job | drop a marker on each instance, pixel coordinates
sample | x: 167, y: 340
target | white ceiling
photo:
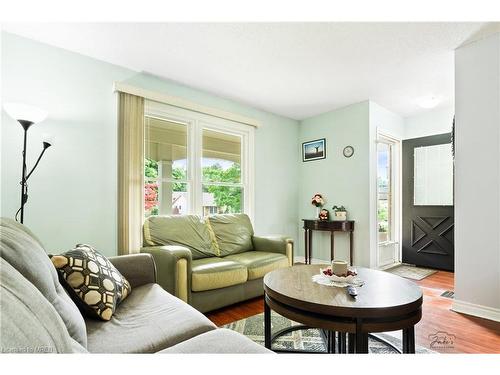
x: 293, y: 69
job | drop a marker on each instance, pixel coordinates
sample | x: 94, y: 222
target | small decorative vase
x: 318, y: 209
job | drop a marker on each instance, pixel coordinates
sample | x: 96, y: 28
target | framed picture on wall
x: 314, y: 150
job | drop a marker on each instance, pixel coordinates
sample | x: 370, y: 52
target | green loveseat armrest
x: 274, y: 244
x: 138, y: 269
x: 173, y: 264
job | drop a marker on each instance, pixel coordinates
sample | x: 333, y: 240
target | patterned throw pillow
x: 91, y: 280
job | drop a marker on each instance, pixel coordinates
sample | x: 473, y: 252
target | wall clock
x: 348, y: 151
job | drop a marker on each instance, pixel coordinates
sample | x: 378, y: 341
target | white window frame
x: 195, y: 123
x: 391, y: 197
x: 396, y: 204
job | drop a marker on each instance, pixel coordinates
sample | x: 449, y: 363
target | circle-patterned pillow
x: 91, y: 280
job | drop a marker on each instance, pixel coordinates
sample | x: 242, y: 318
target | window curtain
x: 130, y: 173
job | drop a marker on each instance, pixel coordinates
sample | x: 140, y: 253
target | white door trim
x: 385, y: 137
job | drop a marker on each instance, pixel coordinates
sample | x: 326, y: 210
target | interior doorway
x: 388, y: 201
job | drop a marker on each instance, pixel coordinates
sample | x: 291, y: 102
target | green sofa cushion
x: 258, y: 263
x: 189, y: 231
x: 215, y: 273
x: 233, y: 233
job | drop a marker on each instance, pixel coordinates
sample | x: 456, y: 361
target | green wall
x: 346, y: 181
x: 73, y: 195
x: 342, y: 181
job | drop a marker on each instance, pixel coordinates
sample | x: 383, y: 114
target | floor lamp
x: 27, y: 116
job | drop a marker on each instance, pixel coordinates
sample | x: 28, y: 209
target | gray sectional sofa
x: 37, y: 315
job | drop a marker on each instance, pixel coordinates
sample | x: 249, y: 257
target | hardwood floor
x: 472, y: 335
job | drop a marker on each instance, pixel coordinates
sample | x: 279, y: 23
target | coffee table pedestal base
x: 336, y: 342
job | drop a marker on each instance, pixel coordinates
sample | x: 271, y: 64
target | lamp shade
x: 24, y: 112
x: 48, y: 138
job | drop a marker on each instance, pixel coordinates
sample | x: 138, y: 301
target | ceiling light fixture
x: 428, y: 102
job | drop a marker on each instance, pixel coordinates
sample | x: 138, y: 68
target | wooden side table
x: 328, y: 226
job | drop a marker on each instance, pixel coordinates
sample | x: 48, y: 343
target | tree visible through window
x: 221, y: 172
x: 226, y: 198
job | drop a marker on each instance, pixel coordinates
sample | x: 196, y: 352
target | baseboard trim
x: 480, y: 311
x: 300, y: 259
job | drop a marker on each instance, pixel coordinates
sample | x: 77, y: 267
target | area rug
x: 411, y: 272
x: 305, y: 340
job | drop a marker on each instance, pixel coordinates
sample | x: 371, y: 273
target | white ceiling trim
x: 182, y: 103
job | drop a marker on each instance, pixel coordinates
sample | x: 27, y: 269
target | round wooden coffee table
x: 385, y: 302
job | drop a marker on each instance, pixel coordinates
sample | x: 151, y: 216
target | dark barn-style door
x: 428, y: 211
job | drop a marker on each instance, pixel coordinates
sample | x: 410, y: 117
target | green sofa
x: 215, y: 261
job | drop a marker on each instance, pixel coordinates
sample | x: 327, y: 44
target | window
x: 195, y: 163
x: 433, y: 175
x: 221, y: 172
x: 165, y: 167
x: 384, y: 192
